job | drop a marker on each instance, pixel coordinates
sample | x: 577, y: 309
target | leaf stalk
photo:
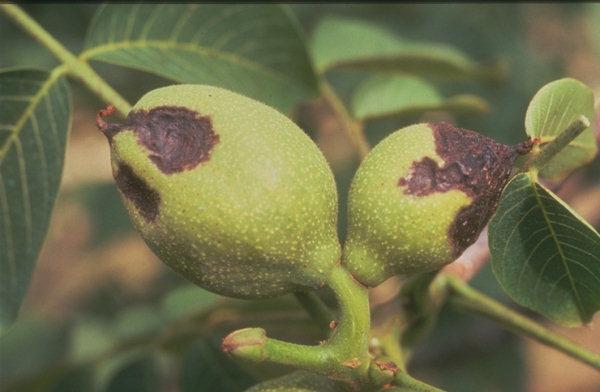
x: 75, y: 66
x: 344, y: 356
x: 561, y: 141
x: 467, y: 298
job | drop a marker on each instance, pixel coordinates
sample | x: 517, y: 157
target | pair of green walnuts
x: 237, y: 198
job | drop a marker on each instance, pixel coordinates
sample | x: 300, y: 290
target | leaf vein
x: 10, y: 249
x: 560, y: 250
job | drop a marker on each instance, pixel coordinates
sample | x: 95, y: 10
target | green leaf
x: 137, y: 322
x: 92, y: 338
x: 399, y: 96
x: 187, y: 300
x: 348, y: 43
x: 115, y: 373
x: 35, y: 114
x: 109, y: 218
x: 141, y: 374
x: 299, y: 381
x: 491, y: 361
x: 553, y: 108
x: 545, y: 256
x: 592, y: 22
x: 29, y: 347
x: 76, y: 379
x: 206, y: 368
x: 256, y: 50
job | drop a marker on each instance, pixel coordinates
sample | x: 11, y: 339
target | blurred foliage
x: 472, y: 28
x: 108, y: 215
x: 397, y: 96
x: 465, y: 353
x: 168, y: 335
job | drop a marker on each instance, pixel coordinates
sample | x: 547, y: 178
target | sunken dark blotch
x: 177, y: 138
x: 474, y: 164
x: 145, y: 199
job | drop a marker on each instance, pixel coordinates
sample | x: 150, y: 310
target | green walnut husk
x: 420, y: 198
x: 299, y: 381
x: 226, y: 191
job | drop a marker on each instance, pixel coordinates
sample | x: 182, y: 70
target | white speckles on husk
x: 391, y: 232
x: 258, y: 218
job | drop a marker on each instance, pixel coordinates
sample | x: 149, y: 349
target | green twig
x: 351, y: 336
x: 316, y: 308
x: 344, y: 356
x: 472, y: 300
x: 353, y: 128
x: 390, y: 343
x: 254, y: 345
x: 76, y: 67
x: 406, y: 383
x: 561, y: 141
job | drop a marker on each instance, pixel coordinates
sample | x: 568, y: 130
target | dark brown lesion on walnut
x: 177, y: 138
x: 145, y: 199
x: 472, y: 163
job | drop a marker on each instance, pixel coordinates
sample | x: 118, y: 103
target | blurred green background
x: 103, y: 313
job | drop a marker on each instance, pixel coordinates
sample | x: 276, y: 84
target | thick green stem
x: 254, y: 345
x: 350, y: 339
x: 406, y: 383
x: 353, y: 129
x: 344, y: 356
x: 317, y: 310
x: 557, y: 144
x: 76, y: 67
x: 472, y: 300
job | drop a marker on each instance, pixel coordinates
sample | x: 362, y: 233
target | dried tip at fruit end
x: 109, y: 129
x: 526, y: 146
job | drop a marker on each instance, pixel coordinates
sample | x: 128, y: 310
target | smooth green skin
x: 256, y: 220
x: 390, y: 232
x: 299, y: 381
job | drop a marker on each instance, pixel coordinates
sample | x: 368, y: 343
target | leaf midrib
x: 559, y: 248
x: 89, y: 54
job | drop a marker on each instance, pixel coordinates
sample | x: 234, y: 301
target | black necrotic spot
x: 474, y: 164
x: 145, y: 199
x: 178, y: 138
